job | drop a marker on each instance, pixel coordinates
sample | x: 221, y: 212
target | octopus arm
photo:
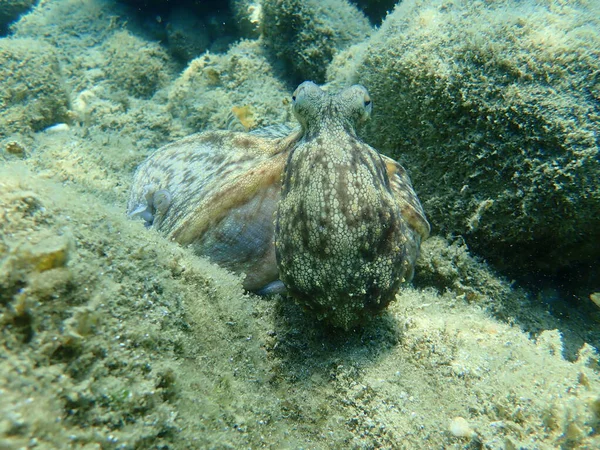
x: 409, y: 203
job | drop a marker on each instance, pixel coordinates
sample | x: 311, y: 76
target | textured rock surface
x: 187, y: 34
x: 496, y: 111
x: 236, y: 91
x: 305, y: 35
x: 248, y: 15
x: 33, y: 94
x: 136, y: 66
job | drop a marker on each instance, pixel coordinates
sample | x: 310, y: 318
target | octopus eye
x: 297, y: 94
x: 367, y: 105
x: 306, y: 92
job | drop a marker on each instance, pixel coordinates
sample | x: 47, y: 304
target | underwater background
x: 115, y: 338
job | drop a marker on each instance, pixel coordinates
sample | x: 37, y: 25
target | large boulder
x: 495, y: 109
x: 135, y: 65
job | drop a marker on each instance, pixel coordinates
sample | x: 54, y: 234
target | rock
x: 459, y: 427
x: 32, y: 90
x: 15, y: 148
x: 305, y: 35
x: 187, y: 34
x: 495, y: 110
x: 208, y: 90
x: 248, y: 15
x: 137, y: 66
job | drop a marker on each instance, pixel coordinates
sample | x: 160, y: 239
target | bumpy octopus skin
x: 341, y: 228
x: 348, y: 225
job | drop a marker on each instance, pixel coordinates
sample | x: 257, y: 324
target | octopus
x: 313, y: 210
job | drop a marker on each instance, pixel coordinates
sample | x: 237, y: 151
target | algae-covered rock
x: 73, y: 26
x: 305, y: 35
x: 187, y: 34
x: 138, y: 66
x: 67, y: 349
x: 32, y: 90
x: 448, y: 266
x: 495, y: 108
x: 247, y: 14
x: 237, y: 90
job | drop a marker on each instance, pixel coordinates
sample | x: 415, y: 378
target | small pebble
x: 459, y: 427
x: 58, y: 128
x: 15, y: 148
x: 50, y: 253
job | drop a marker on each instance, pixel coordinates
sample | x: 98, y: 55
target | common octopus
x: 337, y: 222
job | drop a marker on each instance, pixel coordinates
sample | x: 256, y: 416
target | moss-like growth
x: 305, y: 35
x: 138, y: 66
x: 495, y: 109
x: 32, y: 91
x: 233, y: 91
x: 448, y: 266
x: 65, y: 297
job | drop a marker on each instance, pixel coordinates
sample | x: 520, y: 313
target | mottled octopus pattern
x: 341, y: 228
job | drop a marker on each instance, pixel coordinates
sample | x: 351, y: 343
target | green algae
x: 495, y: 109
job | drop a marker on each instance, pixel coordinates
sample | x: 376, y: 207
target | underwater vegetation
x: 499, y: 119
